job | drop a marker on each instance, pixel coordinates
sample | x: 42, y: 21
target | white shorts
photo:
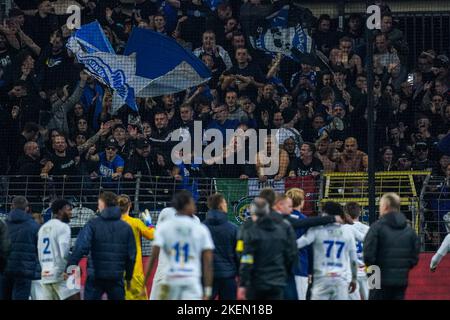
x: 301, y: 284
x: 362, y: 289
x: 51, y: 291
x: 156, y: 288
x: 190, y: 289
x: 330, y: 288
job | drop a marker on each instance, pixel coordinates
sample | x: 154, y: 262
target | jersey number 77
x: 329, y: 246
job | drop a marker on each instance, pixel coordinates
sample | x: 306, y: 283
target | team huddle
x: 278, y: 253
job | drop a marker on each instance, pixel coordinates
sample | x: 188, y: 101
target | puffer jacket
x: 269, y: 253
x: 22, y: 260
x: 111, y: 245
x: 4, y: 245
x: 224, y: 235
x: 394, y: 247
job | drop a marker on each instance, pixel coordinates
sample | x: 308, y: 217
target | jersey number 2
x: 46, y: 241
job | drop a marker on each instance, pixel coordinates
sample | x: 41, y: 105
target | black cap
x: 420, y: 145
x: 142, y: 143
x: 111, y: 143
x: 338, y: 104
x: 406, y: 155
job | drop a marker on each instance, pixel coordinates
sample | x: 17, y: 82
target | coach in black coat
x: 4, y: 245
x: 269, y: 253
x: 22, y: 265
x: 393, y: 246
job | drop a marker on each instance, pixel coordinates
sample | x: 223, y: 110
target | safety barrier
x: 435, y: 208
x: 347, y: 187
x: 423, y: 197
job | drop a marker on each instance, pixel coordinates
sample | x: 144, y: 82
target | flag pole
x: 370, y: 122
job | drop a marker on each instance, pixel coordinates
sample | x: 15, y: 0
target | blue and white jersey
x: 334, y: 249
x: 53, y: 250
x: 182, y: 241
x: 107, y: 168
x: 360, y: 230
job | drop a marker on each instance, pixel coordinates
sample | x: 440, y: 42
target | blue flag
x: 169, y: 67
x: 92, y: 48
x: 277, y: 33
x: 213, y: 4
x: 153, y: 64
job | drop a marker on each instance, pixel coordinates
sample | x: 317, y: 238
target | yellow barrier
x: 353, y: 187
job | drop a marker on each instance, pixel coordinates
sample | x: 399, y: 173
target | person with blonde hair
x: 139, y: 230
x: 301, y: 269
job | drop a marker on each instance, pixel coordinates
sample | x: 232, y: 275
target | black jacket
x: 138, y: 163
x: 394, y: 247
x: 224, y: 235
x: 27, y: 166
x: 161, y: 140
x: 23, y: 256
x: 111, y: 245
x: 269, y: 253
x: 5, y: 245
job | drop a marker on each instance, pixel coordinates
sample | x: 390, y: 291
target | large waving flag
x: 93, y: 49
x: 153, y: 64
x: 282, y: 32
x: 169, y: 67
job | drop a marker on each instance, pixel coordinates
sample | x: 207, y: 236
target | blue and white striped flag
x: 93, y: 49
x: 153, y: 64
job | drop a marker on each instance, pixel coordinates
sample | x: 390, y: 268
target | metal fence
x: 353, y: 187
x: 424, y: 31
x: 147, y: 193
x: 425, y: 198
x: 435, y: 209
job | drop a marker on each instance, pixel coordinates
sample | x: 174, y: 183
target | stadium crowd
x: 57, y: 120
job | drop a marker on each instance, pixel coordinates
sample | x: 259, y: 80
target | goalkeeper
x: 139, y: 230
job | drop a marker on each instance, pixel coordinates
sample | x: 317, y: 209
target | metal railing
x: 424, y: 31
x: 353, y: 187
x: 424, y: 209
x: 435, y: 205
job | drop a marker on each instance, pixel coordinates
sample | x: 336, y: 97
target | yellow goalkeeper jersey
x: 139, y: 230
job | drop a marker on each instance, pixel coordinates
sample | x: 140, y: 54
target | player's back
x: 360, y: 230
x: 182, y: 240
x: 334, y: 246
x: 165, y: 215
x: 53, y: 250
